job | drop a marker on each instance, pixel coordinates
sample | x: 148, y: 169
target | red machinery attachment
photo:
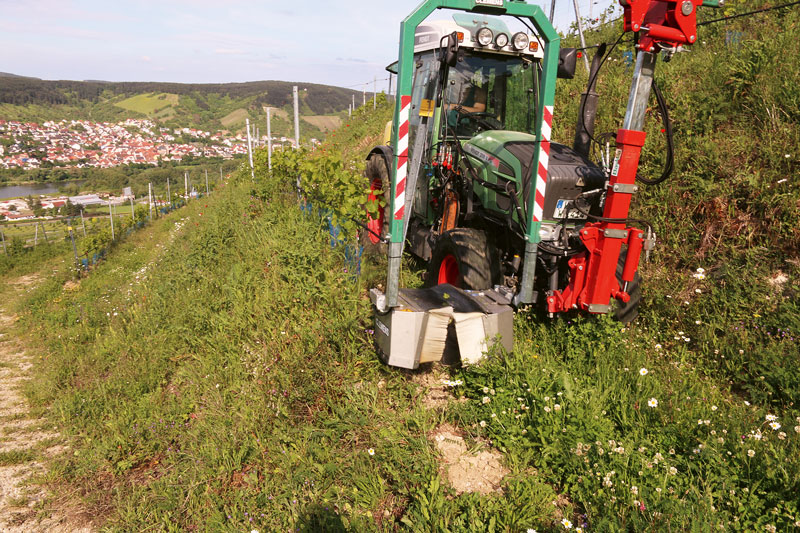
x: 664, y: 23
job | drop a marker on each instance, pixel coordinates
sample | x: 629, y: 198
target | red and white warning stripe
x: 544, y: 159
x: 402, y: 158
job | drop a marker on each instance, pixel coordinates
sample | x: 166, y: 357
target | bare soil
x: 468, y: 471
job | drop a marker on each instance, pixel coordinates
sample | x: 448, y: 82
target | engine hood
x: 490, y: 146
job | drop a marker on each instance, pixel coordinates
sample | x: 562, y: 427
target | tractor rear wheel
x: 377, y: 179
x: 464, y: 258
x: 627, y: 312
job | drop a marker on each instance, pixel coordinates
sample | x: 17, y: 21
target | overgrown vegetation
x: 218, y: 373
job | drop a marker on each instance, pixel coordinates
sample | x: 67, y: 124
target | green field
x: 149, y: 104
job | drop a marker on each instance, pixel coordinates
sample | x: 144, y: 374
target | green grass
x: 16, y: 457
x: 148, y: 104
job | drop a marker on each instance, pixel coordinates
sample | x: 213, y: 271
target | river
x: 34, y: 189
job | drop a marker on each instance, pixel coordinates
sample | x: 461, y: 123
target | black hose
x: 669, y: 164
x: 592, y: 81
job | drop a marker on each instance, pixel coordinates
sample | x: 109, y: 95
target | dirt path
x: 24, y: 441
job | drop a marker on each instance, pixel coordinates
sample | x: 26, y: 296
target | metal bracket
x: 624, y: 188
x: 615, y: 234
x: 599, y: 308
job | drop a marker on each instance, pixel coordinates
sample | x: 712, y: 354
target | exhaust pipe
x: 584, y: 130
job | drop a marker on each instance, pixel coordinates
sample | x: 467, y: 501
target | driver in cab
x: 472, y: 100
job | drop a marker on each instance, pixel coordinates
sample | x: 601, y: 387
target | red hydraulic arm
x: 660, y: 25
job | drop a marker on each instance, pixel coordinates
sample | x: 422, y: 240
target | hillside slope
x: 220, y: 375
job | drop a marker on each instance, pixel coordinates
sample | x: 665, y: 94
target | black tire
x: 376, y: 172
x: 627, y: 313
x: 475, y: 258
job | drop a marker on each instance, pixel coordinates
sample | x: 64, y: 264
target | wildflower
x: 486, y: 390
x: 486, y: 400
x: 658, y: 346
x: 771, y: 418
x: 652, y: 402
x: 566, y: 523
x: 713, y: 407
x: 673, y: 470
x: 483, y: 423
x: 546, y: 409
x: 782, y: 435
x: 797, y: 429
x: 775, y: 426
x: 371, y: 451
x: 556, y: 408
x: 547, y: 398
x: 698, y: 291
x: 643, y: 371
x: 747, y: 403
x: 531, y: 530
x: 697, y: 322
x: 578, y: 530
x: 751, y: 453
x: 254, y: 531
x: 634, y: 490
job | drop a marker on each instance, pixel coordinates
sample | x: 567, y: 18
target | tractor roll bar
x: 400, y: 126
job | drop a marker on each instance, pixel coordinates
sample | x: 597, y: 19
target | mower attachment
x: 442, y: 323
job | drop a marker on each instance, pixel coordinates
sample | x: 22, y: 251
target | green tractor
x: 471, y: 183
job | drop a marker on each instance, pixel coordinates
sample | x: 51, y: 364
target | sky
x: 345, y: 43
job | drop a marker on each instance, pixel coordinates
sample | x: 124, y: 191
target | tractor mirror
x: 567, y: 59
x: 451, y: 50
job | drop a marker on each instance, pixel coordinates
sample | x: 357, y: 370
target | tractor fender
x: 386, y: 152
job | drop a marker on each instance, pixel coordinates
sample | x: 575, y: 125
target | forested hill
x: 207, y: 106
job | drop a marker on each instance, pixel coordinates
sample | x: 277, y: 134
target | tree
x: 71, y: 209
x: 36, y: 206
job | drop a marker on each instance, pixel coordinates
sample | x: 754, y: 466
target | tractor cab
x: 473, y: 74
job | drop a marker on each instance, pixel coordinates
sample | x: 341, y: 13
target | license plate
x: 498, y: 3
